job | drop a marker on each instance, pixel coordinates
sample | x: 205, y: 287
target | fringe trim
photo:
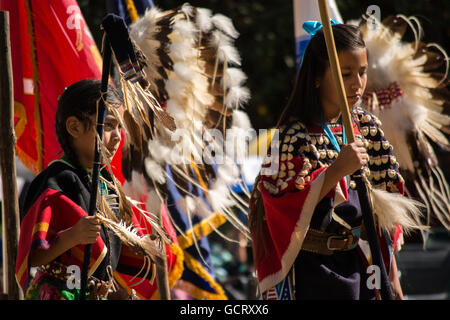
x: 436, y: 197
x: 27, y: 160
x: 199, y: 176
x: 201, y: 229
x: 131, y: 8
x: 19, y: 111
x: 178, y: 268
x: 197, y: 292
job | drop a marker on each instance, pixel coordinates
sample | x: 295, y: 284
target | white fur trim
x: 185, y: 29
x: 183, y: 71
x: 182, y: 51
x: 159, y: 152
x: 393, y: 209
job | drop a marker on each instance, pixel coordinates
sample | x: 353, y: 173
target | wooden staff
x: 10, y: 203
x: 119, y: 40
x: 101, y: 114
x: 123, y: 50
x: 162, y: 275
x: 386, y: 290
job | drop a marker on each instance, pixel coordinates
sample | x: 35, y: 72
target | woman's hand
x: 351, y: 158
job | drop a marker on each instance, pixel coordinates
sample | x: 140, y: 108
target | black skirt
x: 341, y: 276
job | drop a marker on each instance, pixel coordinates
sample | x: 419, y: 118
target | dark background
x: 266, y: 41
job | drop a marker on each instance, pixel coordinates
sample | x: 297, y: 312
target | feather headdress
x: 192, y: 67
x: 407, y: 90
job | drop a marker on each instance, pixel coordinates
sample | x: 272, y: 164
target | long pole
x: 386, y: 290
x: 162, y: 275
x: 101, y: 113
x: 123, y: 50
x: 10, y: 203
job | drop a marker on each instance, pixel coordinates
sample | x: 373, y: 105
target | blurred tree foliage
x: 266, y: 41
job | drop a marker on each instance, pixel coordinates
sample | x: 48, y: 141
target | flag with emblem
x: 51, y: 47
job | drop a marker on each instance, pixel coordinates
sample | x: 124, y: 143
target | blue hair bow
x: 313, y: 26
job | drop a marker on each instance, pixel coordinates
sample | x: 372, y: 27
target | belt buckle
x: 329, y: 242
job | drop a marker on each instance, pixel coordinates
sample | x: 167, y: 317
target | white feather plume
x: 203, y: 19
x: 233, y: 77
x: 155, y: 171
x: 393, y: 209
x: 225, y: 24
x: 201, y: 49
x: 416, y: 113
x: 241, y: 120
x: 236, y: 97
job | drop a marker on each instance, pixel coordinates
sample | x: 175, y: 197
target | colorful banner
x: 306, y: 10
x: 197, y: 277
x: 51, y: 48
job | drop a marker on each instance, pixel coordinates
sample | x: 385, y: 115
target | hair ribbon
x: 313, y: 26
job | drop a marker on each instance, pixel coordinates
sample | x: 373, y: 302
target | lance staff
x: 367, y: 214
x: 101, y: 114
x: 117, y: 41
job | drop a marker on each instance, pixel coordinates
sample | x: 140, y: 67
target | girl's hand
x: 351, y: 158
x: 85, y: 231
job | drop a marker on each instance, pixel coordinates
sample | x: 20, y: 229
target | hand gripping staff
x: 386, y: 291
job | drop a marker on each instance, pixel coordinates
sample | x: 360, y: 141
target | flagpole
x: 386, y: 290
x: 10, y: 203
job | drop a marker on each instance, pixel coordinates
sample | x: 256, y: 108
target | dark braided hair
x: 80, y: 100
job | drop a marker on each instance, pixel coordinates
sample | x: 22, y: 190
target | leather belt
x: 325, y: 243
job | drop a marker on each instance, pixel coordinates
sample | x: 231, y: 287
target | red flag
x: 51, y: 48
